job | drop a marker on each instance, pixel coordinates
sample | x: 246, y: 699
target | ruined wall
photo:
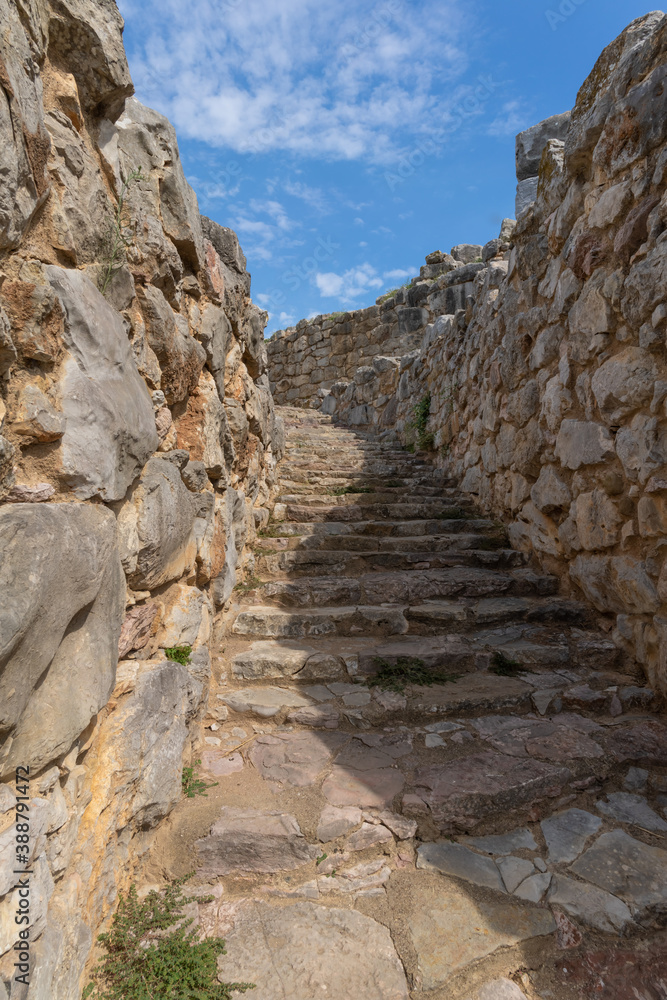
x: 306, y: 360
x: 548, y: 389
x: 138, y: 443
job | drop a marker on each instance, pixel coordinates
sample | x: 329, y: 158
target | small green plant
x: 151, y: 954
x: 392, y: 291
x: 335, y: 315
x: 503, y: 666
x: 179, y: 654
x: 322, y: 857
x: 341, y: 491
x: 119, y: 235
x: 392, y: 484
x: 407, y: 670
x: 192, y: 784
x: 421, y: 413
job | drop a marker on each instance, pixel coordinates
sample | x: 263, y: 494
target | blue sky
x: 344, y: 141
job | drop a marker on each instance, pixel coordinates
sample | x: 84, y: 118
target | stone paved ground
x: 495, y: 837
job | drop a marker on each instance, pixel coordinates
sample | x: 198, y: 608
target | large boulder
x: 63, y: 600
x: 109, y: 424
x: 24, y: 142
x: 158, y: 539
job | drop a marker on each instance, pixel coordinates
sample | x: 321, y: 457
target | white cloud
x: 349, y: 285
x: 512, y: 119
x: 398, y: 273
x: 266, y: 75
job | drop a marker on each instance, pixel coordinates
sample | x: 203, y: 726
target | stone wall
x: 138, y: 443
x: 548, y: 386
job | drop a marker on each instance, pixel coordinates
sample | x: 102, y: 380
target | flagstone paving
x: 499, y: 834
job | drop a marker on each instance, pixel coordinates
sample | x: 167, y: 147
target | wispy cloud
x: 513, y: 118
x: 349, y: 285
x: 351, y: 80
x: 399, y: 273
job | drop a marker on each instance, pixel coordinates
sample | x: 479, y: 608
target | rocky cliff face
x: 138, y: 443
x: 544, y: 374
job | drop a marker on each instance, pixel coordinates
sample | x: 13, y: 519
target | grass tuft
x: 179, y: 654
x: 407, y: 670
x: 341, y: 491
x: 503, y: 666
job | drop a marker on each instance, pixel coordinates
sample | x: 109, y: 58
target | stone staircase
x: 447, y: 782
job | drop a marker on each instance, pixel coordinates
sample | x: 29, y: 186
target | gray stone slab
x: 566, y: 834
x: 629, y: 869
x: 454, y: 931
x: 633, y: 809
x: 252, y: 840
x: 591, y: 905
x: 534, y: 887
x: 264, y: 701
x: 454, y: 859
x: 636, y: 779
x: 442, y: 727
x: 514, y: 871
x: 304, y: 950
x: 504, y: 843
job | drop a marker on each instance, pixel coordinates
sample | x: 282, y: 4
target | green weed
x: 503, y: 666
x: 421, y: 413
x: 192, y: 784
x: 151, y: 954
x: 407, y: 670
x: 341, y: 491
x: 179, y: 654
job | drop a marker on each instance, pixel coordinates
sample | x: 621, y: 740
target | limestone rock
x: 592, y: 906
x: 180, y: 356
x: 294, y: 758
x: 336, y: 822
x: 583, y: 443
x: 249, y: 840
x: 64, y: 637
x: 109, y: 424
x: 466, y: 790
x: 454, y: 859
x: 341, y: 952
x: 456, y: 931
x: 629, y: 869
x: 23, y: 138
x: 566, y: 833
x: 157, y: 527
x: 264, y: 701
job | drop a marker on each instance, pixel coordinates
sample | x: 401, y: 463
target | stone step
x: 382, y: 529
x: 540, y: 650
x: 410, y: 587
x: 444, y: 542
x: 379, y: 512
x: 356, y: 487
x: 432, y: 618
x: 324, y: 498
x: 306, y: 561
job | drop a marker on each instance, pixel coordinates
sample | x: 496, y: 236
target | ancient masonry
x: 418, y: 608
